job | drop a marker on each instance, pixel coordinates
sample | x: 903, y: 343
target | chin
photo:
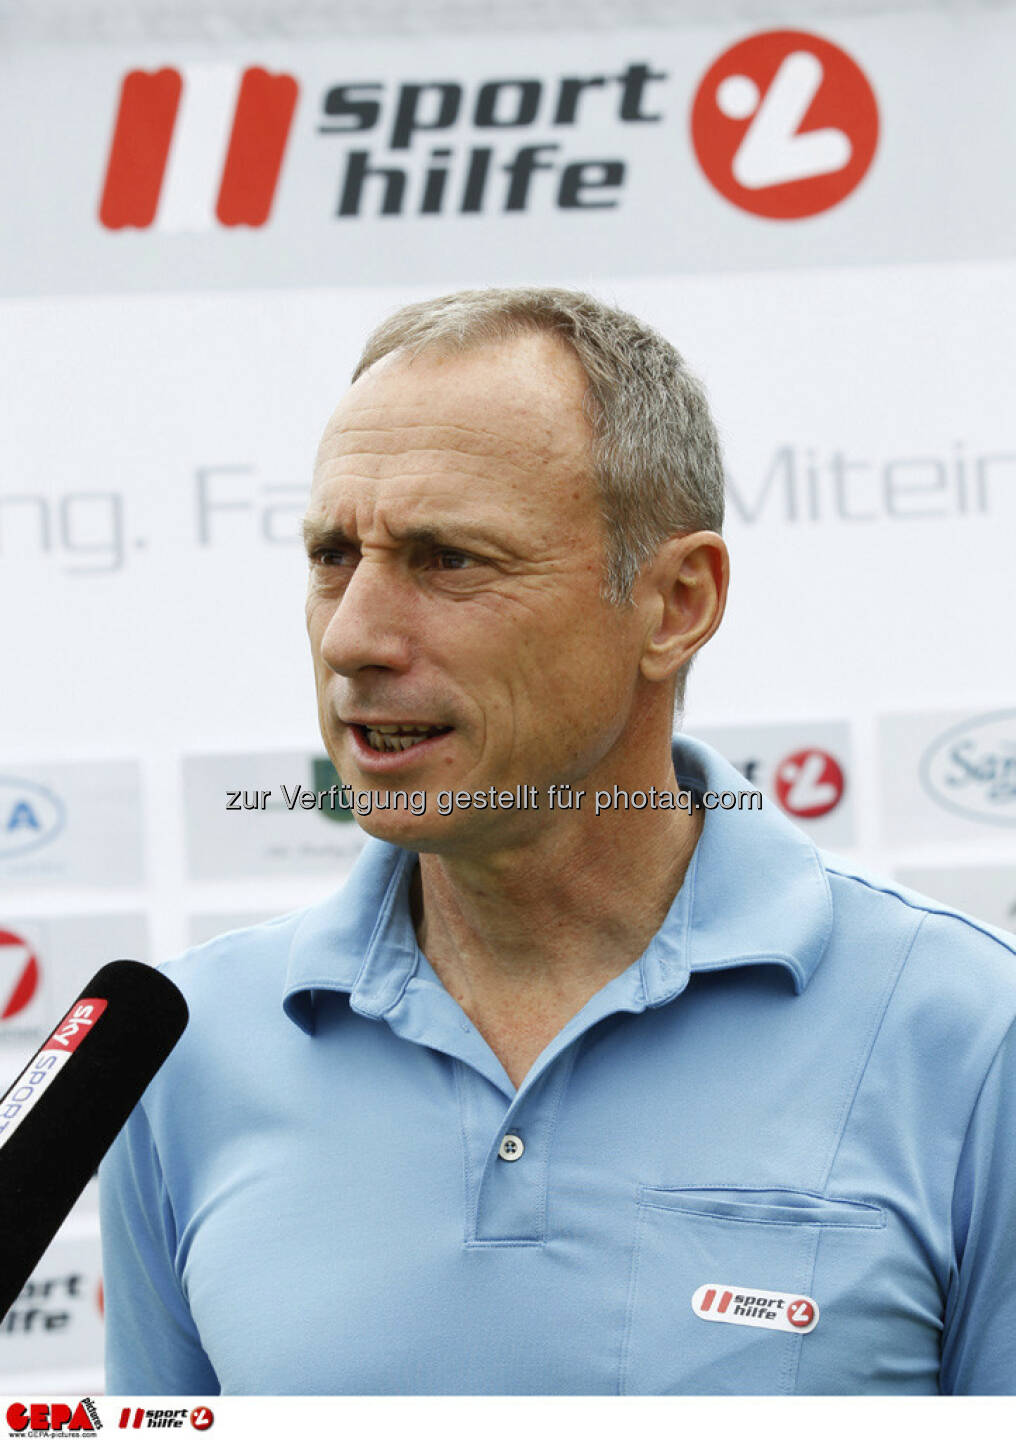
x: 411, y: 832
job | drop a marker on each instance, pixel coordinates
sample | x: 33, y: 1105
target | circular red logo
x: 784, y: 124
x: 800, y: 1313
x: 202, y: 1418
x: 19, y: 974
x: 809, y: 783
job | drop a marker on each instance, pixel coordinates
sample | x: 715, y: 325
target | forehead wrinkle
x: 534, y: 440
x: 433, y: 466
x: 516, y: 526
x: 540, y: 511
x: 403, y: 520
x: 497, y: 436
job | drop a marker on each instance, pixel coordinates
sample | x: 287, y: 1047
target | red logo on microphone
x: 785, y: 124
x: 198, y: 142
x: 75, y: 1025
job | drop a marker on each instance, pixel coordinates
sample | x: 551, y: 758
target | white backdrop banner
x: 199, y: 238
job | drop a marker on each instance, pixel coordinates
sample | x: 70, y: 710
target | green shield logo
x: 323, y: 777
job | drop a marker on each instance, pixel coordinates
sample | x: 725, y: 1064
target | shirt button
x: 511, y: 1148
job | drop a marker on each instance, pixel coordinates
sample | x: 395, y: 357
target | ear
x: 685, y: 592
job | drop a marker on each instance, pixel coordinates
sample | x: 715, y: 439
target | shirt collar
x: 755, y: 893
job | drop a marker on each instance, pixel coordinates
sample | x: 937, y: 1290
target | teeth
x: 403, y: 729
x: 398, y: 737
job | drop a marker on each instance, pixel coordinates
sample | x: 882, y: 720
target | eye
x: 329, y: 556
x: 453, y: 559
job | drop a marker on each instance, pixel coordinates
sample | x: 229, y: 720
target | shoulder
x: 944, y: 929
x: 233, y: 986
x: 237, y: 1043
x: 267, y: 975
x: 246, y: 959
x: 950, y: 964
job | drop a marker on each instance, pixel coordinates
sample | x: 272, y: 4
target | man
x: 545, y: 1100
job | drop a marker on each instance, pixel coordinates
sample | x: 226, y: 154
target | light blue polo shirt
x: 798, y: 1106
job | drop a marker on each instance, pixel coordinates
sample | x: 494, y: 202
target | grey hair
x: 656, y: 455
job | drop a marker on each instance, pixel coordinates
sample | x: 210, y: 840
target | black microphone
x: 67, y: 1106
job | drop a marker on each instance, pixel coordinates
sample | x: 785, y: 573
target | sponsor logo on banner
x: 19, y: 975
x: 72, y: 823
x: 766, y: 1310
x: 785, y: 124
x: 971, y: 768
x: 45, y: 958
x: 949, y: 775
x: 31, y: 815
x: 805, y: 768
x: 42, y: 1417
x: 269, y: 813
x: 809, y: 783
x: 201, y: 141
x: 56, y: 1319
x: 194, y: 144
x: 202, y: 1418
x: 323, y: 776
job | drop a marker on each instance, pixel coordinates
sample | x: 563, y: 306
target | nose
x: 370, y: 625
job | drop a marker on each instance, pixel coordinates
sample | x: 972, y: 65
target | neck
x: 550, y: 921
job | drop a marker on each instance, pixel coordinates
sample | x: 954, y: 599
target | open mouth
x: 387, y: 739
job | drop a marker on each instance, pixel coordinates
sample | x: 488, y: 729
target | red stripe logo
x: 19, y: 974
x: 140, y: 149
x: 264, y: 112
x: 195, y: 143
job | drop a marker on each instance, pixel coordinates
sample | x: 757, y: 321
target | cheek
x: 318, y: 610
x: 597, y: 676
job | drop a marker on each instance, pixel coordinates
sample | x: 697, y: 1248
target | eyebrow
x: 322, y: 533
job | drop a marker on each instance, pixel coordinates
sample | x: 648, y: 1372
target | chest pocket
x: 755, y: 1243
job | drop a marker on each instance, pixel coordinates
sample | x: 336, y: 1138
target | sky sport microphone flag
x: 69, y: 1103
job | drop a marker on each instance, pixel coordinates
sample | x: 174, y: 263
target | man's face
x: 456, y: 559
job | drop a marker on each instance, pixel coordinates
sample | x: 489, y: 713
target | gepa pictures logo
x: 42, y: 1418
